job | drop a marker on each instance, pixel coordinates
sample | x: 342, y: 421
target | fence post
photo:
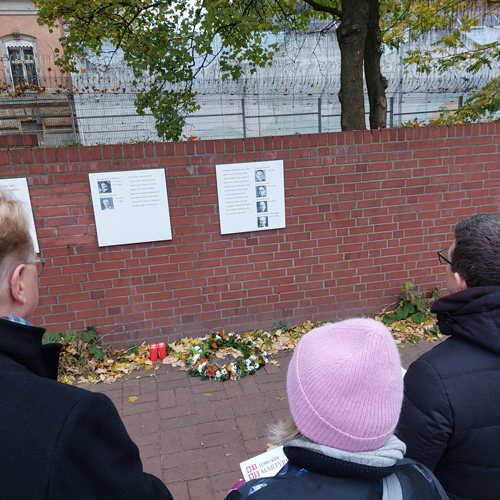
x: 243, y: 117
x: 391, y: 112
x: 72, y: 117
x: 319, y: 115
x: 460, y: 101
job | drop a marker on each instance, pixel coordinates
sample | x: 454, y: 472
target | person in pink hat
x: 345, y: 390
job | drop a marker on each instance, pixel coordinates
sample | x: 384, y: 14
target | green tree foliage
x: 409, y: 19
x: 173, y: 41
x: 170, y: 41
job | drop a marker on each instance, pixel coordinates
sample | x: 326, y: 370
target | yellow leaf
x: 207, y: 394
x: 148, y: 367
x: 281, y: 399
x: 131, y: 399
x: 138, y: 376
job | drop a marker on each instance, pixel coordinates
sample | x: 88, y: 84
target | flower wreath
x: 200, y: 360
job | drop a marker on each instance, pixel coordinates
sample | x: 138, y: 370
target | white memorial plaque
x: 130, y: 207
x: 251, y: 196
x: 18, y: 188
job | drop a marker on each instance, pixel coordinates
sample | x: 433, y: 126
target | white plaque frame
x: 251, y: 196
x: 130, y: 206
x: 18, y: 189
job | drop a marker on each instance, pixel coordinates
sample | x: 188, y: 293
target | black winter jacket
x: 309, y: 474
x: 58, y: 441
x: 451, y: 411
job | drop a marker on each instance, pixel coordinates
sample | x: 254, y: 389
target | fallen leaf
x: 207, y: 394
x: 131, y: 399
x: 281, y: 399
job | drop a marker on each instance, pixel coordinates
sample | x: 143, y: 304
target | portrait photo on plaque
x: 261, y: 206
x: 107, y: 204
x: 260, y: 175
x: 261, y: 191
x: 104, y: 187
x: 262, y: 221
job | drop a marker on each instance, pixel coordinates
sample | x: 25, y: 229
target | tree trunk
x: 351, y: 35
x: 375, y: 81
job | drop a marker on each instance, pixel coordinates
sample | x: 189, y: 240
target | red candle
x: 162, y: 350
x: 153, y: 352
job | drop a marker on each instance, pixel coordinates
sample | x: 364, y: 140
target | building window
x: 21, y: 60
x: 22, y: 65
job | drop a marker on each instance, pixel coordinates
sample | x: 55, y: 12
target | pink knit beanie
x: 345, y: 386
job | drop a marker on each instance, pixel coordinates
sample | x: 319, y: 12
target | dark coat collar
x: 473, y: 314
x: 23, y: 344
x: 334, y: 467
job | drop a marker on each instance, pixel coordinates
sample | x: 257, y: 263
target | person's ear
x: 459, y: 282
x: 17, y: 284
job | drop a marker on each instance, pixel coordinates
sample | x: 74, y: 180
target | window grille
x: 22, y: 65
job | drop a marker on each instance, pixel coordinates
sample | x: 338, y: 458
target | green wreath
x: 200, y: 361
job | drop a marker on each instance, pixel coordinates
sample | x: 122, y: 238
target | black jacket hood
x: 473, y: 314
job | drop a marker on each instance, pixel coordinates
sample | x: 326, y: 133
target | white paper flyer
x: 265, y: 465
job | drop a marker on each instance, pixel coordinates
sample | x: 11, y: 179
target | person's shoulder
x: 455, y: 357
x: 26, y: 386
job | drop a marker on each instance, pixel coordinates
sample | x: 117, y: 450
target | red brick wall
x: 365, y: 211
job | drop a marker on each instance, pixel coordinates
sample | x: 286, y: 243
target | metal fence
x: 107, y: 120
x: 298, y: 94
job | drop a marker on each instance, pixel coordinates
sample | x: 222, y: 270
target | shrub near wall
x: 365, y: 211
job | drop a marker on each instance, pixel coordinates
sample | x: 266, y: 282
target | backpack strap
x: 426, y: 471
x: 391, y: 488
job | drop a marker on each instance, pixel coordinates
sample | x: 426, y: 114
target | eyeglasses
x: 442, y: 258
x: 39, y: 263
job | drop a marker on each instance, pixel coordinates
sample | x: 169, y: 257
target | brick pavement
x: 193, y: 433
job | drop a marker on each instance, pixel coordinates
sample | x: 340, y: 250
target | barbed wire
x: 306, y: 64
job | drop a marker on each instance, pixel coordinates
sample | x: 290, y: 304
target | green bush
x: 410, y: 304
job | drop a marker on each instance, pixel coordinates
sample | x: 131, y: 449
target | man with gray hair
x: 450, y: 419
x: 56, y: 441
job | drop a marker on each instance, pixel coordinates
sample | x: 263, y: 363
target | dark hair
x: 476, y: 256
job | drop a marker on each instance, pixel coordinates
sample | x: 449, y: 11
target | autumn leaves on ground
x: 224, y: 355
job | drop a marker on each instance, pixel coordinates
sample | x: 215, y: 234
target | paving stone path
x: 194, y: 433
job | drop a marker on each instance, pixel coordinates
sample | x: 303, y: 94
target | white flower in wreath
x: 202, y: 367
x: 251, y: 367
x: 195, y: 359
x: 221, y: 374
